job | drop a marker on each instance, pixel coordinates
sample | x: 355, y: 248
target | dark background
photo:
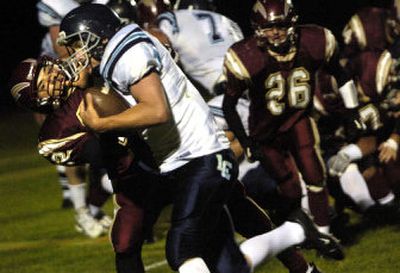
x: 21, y: 34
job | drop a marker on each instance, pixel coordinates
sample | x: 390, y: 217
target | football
x: 106, y: 101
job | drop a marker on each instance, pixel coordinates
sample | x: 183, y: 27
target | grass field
x: 37, y: 236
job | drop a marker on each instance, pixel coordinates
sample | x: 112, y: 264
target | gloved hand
x: 338, y: 164
x: 253, y: 152
x: 354, y: 126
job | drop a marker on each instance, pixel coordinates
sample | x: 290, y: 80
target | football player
x: 50, y: 14
x: 375, y: 73
x: 39, y: 86
x: 178, y: 127
x: 328, y: 109
x: 63, y: 139
x: 190, y: 152
x: 259, y: 186
x: 278, y: 65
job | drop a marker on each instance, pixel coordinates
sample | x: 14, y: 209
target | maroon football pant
x: 302, y: 143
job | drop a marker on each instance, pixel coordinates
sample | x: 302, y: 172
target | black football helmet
x: 195, y: 4
x: 268, y: 14
x: 86, y: 29
x: 126, y: 10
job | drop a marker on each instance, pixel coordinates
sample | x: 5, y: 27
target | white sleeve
x: 215, y: 105
x: 47, y: 15
x: 134, y: 64
x: 234, y: 30
x: 168, y: 24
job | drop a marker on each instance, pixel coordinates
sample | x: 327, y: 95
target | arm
x: 50, y: 14
x: 338, y: 163
x: 235, y: 145
x: 60, y: 50
x: 388, y: 149
x: 232, y: 118
x: 152, y: 108
x: 251, y: 149
x: 347, y: 89
x: 346, y: 85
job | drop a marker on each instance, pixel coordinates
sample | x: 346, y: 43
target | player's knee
x: 125, y: 247
x: 127, y: 229
x: 126, y: 240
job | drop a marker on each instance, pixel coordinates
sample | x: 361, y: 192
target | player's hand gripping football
x: 90, y: 117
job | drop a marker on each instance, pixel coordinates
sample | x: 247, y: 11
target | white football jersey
x: 50, y: 13
x: 201, y: 38
x: 242, y: 107
x: 192, y: 132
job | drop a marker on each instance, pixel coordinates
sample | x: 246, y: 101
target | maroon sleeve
x: 63, y: 138
x: 235, y: 73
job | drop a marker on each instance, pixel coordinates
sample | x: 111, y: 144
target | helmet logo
x: 258, y: 7
x: 61, y: 38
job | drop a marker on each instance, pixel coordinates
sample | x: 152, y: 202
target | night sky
x: 21, y: 33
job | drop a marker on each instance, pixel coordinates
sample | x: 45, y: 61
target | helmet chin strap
x: 282, y: 48
x: 278, y: 48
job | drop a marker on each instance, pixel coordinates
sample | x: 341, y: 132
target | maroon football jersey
x: 371, y: 72
x: 327, y: 100
x: 371, y: 28
x: 64, y: 140
x: 281, y: 88
x: 62, y: 136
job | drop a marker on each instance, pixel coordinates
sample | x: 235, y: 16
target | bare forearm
x: 139, y: 116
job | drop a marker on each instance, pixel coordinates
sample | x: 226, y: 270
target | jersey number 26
x: 295, y: 86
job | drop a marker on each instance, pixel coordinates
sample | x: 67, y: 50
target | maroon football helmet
x: 274, y: 14
x: 33, y: 91
x: 148, y: 10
